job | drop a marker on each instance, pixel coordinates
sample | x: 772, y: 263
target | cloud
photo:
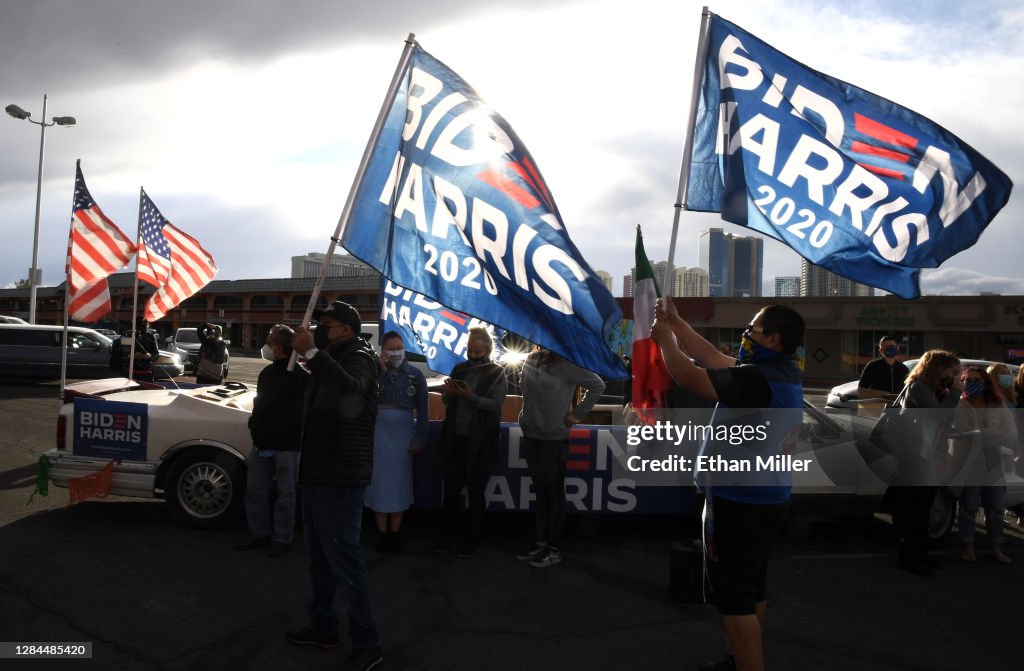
x: 961, y: 282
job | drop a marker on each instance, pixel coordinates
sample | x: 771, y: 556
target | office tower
x: 817, y: 281
x: 787, y: 285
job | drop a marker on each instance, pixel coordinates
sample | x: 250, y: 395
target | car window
x: 187, y: 336
x: 80, y: 341
x: 28, y: 338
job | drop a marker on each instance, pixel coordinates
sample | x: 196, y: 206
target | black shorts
x: 744, y: 534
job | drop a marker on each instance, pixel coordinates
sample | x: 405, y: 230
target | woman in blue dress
x: 400, y: 433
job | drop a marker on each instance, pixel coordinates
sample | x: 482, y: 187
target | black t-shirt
x: 741, y: 386
x: 880, y: 376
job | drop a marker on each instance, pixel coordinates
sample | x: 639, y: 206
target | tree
x: 21, y: 284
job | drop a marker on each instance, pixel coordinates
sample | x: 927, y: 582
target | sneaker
x: 534, y: 552
x: 395, y: 544
x: 727, y: 663
x: 467, y: 549
x: 364, y: 659
x: 548, y: 557
x: 252, y: 542
x: 306, y: 636
x: 382, y: 543
x: 278, y: 548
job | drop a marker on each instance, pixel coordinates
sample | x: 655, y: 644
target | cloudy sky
x: 245, y: 119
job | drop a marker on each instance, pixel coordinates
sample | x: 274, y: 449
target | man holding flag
x: 743, y: 511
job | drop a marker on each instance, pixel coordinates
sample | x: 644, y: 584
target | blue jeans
x: 283, y: 468
x: 991, y: 497
x: 332, y: 516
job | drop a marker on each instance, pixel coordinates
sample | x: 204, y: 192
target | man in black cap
x: 334, y: 469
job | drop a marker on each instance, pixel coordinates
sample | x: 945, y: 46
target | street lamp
x: 34, y: 273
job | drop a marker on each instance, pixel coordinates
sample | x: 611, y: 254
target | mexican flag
x: 650, y: 377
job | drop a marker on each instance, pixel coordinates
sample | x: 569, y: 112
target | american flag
x: 96, y: 248
x: 170, y: 260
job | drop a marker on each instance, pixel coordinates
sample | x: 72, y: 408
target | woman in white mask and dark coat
x: 400, y: 433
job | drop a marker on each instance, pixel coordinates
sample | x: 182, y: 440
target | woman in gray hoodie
x: 548, y: 386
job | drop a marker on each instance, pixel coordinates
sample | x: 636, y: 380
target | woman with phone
x: 470, y: 445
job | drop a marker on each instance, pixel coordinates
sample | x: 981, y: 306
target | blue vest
x: 753, y: 438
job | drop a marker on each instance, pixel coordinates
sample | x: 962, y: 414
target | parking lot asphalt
x: 151, y: 595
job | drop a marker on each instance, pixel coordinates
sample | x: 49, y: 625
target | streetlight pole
x: 34, y: 273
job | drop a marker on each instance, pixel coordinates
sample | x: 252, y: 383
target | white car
x: 843, y: 398
x: 187, y: 446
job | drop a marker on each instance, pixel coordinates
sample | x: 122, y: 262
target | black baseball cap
x: 343, y: 313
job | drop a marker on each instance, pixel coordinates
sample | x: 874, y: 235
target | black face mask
x: 476, y: 361
x: 322, y: 337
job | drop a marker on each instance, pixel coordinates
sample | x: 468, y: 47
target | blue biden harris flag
x: 452, y: 206
x: 851, y: 181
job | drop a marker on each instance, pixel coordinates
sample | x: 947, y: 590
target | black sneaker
x: 533, y: 553
x: 728, y: 663
x: 382, y: 543
x: 278, y: 548
x: 467, y: 549
x: 548, y: 557
x: 306, y: 636
x: 252, y: 542
x: 364, y: 659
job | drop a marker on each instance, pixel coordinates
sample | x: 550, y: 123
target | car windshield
x: 187, y: 336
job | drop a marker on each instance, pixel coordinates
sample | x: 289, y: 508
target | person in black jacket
x: 276, y: 428
x: 470, y: 446
x: 335, y: 466
x: 882, y: 378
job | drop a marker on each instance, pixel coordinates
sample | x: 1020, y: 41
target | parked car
x: 191, y: 448
x: 843, y: 398
x: 34, y: 351
x: 4, y: 319
x: 186, y: 343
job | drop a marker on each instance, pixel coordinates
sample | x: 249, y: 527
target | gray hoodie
x: 548, y: 390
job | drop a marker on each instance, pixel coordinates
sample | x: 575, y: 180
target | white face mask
x: 267, y: 352
x: 393, y: 357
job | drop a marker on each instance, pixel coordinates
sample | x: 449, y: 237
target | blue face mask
x: 974, y: 389
x: 1005, y: 380
x: 751, y: 352
x: 890, y: 351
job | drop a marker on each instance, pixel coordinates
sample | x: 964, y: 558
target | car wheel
x: 941, y: 516
x: 206, y: 489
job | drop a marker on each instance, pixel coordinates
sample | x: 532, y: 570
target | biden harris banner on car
x: 452, y: 206
x: 430, y: 329
x: 851, y: 181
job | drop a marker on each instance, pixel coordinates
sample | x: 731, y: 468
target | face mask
x: 890, y: 351
x: 974, y: 389
x: 322, y: 337
x: 751, y: 352
x: 1005, y: 380
x: 393, y: 357
x: 267, y: 352
x: 476, y: 361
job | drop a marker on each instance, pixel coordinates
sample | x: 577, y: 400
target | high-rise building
x: 714, y: 258
x: 734, y: 263
x: 341, y: 265
x: 627, y: 286
x: 817, y: 281
x: 787, y: 285
x: 690, y: 282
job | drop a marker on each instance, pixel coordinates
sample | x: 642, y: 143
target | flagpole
x: 357, y: 182
x: 684, y: 170
x: 135, y: 291
x: 67, y: 294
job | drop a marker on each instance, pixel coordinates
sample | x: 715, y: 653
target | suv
x: 34, y: 351
x: 186, y: 343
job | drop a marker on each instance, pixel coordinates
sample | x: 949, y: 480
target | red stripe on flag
x: 880, y: 131
x: 458, y: 319
x: 884, y: 172
x: 571, y: 465
x: 538, y: 183
x: 862, y: 148
x: 509, y: 188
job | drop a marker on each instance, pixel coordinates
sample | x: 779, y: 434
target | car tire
x: 206, y: 489
x: 941, y: 516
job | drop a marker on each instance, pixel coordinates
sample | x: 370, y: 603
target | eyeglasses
x: 755, y: 328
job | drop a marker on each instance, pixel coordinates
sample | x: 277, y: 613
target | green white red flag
x: 651, y: 380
